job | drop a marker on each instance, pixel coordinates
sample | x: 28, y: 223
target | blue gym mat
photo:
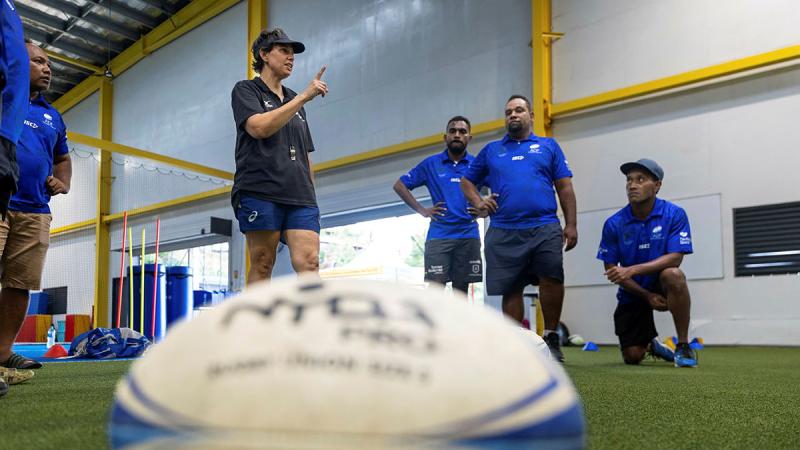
x: 37, y: 351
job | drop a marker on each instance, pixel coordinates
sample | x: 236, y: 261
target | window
x: 392, y: 248
x: 766, y: 239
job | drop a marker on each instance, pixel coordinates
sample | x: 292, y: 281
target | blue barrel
x: 180, y: 299
x: 202, y: 298
x: 161, y: 289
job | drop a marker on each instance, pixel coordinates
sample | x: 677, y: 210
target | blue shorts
x: 255, y: 214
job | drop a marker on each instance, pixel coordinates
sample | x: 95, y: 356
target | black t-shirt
x: 275, y: 168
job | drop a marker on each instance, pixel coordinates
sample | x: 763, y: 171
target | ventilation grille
x: 766, y: 239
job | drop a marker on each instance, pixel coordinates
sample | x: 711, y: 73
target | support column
x: 541, y: 36
x: 102, y: 309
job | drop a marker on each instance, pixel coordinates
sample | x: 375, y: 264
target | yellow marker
x: 141, y: 288
x: 130, y: 276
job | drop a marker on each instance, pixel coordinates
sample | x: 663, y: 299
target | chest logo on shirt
x: 48, y: 120
x: 517, y: 158
x: 535, y: 149
x: 268, y: 104
x: 30, y: 124
x: 455, y: 180
x: 657, y: 232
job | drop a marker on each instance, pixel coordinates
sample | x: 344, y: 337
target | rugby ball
x: 346, y: 364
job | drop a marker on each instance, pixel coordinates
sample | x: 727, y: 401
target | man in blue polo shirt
x: 453, y: 246
x: 45, y: 169
x: 642, y: 249
x: 525, y: 239
x: 14, y: 81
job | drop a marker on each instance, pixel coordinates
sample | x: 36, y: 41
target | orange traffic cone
x: 56, y: 351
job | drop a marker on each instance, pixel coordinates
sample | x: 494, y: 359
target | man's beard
x: 456, y: 148
x: 514, y: 127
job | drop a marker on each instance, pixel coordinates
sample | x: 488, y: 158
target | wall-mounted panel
x: 398, y: 70
x: 177, y: 100
x: 617, y: 43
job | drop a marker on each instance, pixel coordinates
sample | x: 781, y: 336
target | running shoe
x: 685, y: 356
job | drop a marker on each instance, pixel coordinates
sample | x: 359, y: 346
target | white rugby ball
x: 346, y: 364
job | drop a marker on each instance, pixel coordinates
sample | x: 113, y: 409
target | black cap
x: 282, y: 38
x: 646, y: 164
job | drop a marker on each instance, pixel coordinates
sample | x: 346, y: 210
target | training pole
x: 141, y: 288
x: 130, y: 278
x: 155, y: 279
x: 121, y: 269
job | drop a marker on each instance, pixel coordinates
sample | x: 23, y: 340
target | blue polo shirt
x: 15, y: 68
x: 442, y: 177
x: 628, y: 241
x: 522, y: 173
x: 43, y: 135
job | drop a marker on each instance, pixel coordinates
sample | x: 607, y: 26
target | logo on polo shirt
x: 685, y: 239
x: 644, y: 246
x: 517, y: 158
x: 455, y: 180
x: 535, y: 149
x: 30, y: 124
x: 657, y: 233
x: 268, y: 104
x: 48, y: 120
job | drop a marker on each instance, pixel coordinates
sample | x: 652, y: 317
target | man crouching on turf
x: 642, y: 249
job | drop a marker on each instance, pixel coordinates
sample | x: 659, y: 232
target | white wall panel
x: 80, y: 203
x: 177, y: 100
x: 399, y: 69
x: 738, y: 139
x: 611, y: 44
x: 70, y: 263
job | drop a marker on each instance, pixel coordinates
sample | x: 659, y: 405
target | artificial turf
x: 739, y: 397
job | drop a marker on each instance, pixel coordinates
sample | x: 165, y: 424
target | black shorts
x: 633, y: 323
x: 516, y: 258
x: 456, y: 260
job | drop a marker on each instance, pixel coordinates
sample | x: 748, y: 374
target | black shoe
x: 553, y: 341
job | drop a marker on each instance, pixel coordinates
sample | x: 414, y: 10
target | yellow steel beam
x: 427, y: 141
x: 139, y: 153
x: 189, y: 17
x: 180, y: 201
x: 676, y: 81
x: 541, y: 36
x: 73, y: 227
x: 102, y: 238
x: 74, y: 62
x: 77, y: 94
x: 257, y: 20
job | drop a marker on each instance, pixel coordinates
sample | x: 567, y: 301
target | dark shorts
x: 255, y: 214
x: 516, y: 258
x: 633, y: 321
x: 456, y: 260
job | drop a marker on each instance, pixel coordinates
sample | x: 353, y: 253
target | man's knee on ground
x: 672, y: 278
x: 633, y: 355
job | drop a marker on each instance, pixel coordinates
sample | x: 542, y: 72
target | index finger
x: 319, y: 74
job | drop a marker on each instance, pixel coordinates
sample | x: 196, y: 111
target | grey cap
x: 646, y: 164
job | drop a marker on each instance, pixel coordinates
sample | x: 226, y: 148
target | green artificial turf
x: 738, y: 398
x: 65, y: 406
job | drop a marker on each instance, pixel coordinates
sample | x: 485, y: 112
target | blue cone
x: 591, y: 347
